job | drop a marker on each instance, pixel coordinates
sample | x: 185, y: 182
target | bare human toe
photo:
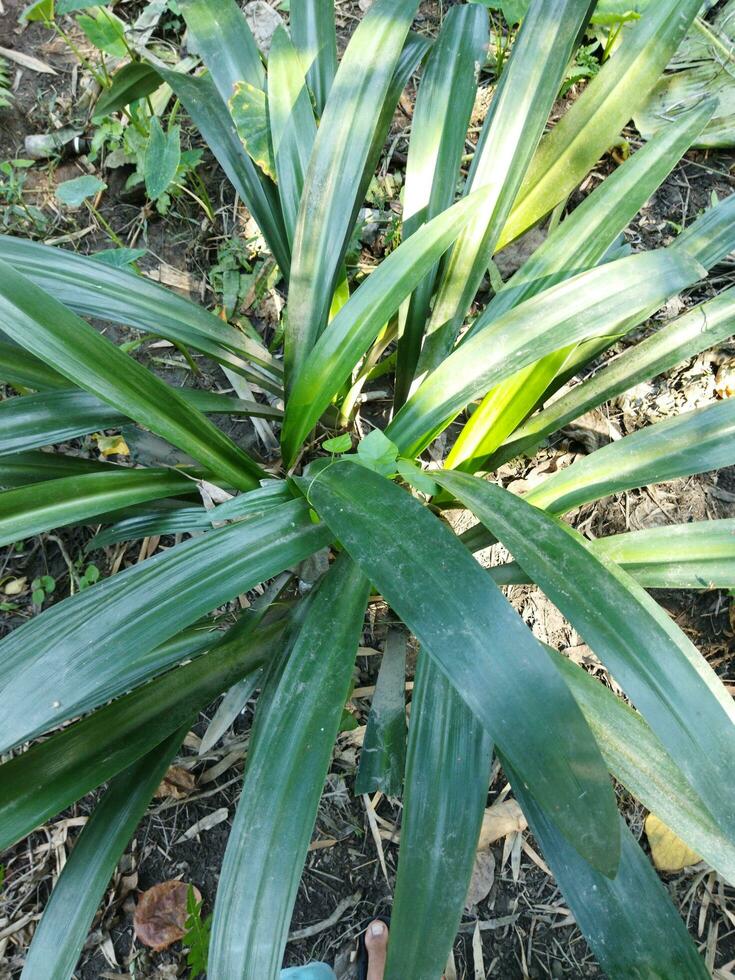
x: 376, y: 944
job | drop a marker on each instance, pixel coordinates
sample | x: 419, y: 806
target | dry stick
x: 327, y: 923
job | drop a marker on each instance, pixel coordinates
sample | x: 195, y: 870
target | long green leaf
x: 291, y: 121
x: 510, y: 135
x: 700, y: 555
x: 54, y: 773
x: 639, y: 761
x: 709, y: 239
x: 438, y: 132
x: 92, y: 288
x: 629, y: 921
x: 703, y: 327
x: 287, y: 765
x: 56, y: 335
x: 342, y: 148
x: 222, y: 37
x: 444, y: 800
x: 22, y: 469
x: 210, y: 115
x: 181, y: 519
x: 358, y: 323
x: 383, y: 753
x: 693, y: 442
x: 69, y: 912
x: 577, y: 244
x: 478, y: 641
x: 97, y: 644
x: 647, y: 653
x: 595, y: 120
x: 605, y: 299
x: 18, y: 367
x: 25, y: 511
x: 44, y: 419
x: 315, y: 37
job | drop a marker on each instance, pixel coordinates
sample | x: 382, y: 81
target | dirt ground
x: 523, y: 924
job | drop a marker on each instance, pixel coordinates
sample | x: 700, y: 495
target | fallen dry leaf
x: 177, y: 783
x: 669, y: 852
x: 500, y: 820
x: 160, y: 914
x: 483, y: 876
x: 16, y: 586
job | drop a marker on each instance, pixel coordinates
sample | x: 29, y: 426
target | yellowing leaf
x: 112, y: 445
x: 250, y: 115
x: 669, y: 852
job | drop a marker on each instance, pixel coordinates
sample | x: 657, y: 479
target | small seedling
x: 197, y: 934
x: 90, y: 576
x: 41, y: 588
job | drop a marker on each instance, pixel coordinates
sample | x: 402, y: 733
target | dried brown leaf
x: 177, y: 783
x: 160, y: 914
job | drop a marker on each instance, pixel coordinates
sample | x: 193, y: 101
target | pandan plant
x: 102, y: 686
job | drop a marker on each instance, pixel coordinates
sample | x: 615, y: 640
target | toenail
x: 376, y: 929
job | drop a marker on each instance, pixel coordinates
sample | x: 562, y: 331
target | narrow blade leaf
x: 56, y: 335
x: 68, y: 915
x: 647, y: 653
x: 447, y: 748
x: 78, y: 654
x: 478, y: 641
x: 287, y: 764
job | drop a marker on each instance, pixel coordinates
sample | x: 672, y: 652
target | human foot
x: 376, y: 944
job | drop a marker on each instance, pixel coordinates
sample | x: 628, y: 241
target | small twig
x: 327, y: 923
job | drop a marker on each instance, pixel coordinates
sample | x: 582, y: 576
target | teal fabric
x: 313, y: 971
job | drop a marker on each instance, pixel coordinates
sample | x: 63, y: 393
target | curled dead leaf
x: 177, y: 783
x: 500, y: 820
x: 160, y: 914
x: 668, y: 851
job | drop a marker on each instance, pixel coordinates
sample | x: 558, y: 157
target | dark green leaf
x: 447, y: 779
x: 18, y: 367
x: 291, y: 119
x: 383, y: 753
x: 629, y: 920
x: 479, y: 642
x: 68, y: 915
x: 54, y: 773
x: 610, y: 298
x: 121, y: 296
x: 314, y: 35
x: 639, y: 761
x: 74, y: 499
x: 703, y: 327
x: 650, y: 657
x: 133, y: 81
x: 222, y: 37
x: 96, y: 644
x: 56, y: 335
x: 290, y: 752
x: 210, y: 115
x: 438, y: 132
x: 331, y: 199
x: 692, y: 442
x: 162, y: 158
